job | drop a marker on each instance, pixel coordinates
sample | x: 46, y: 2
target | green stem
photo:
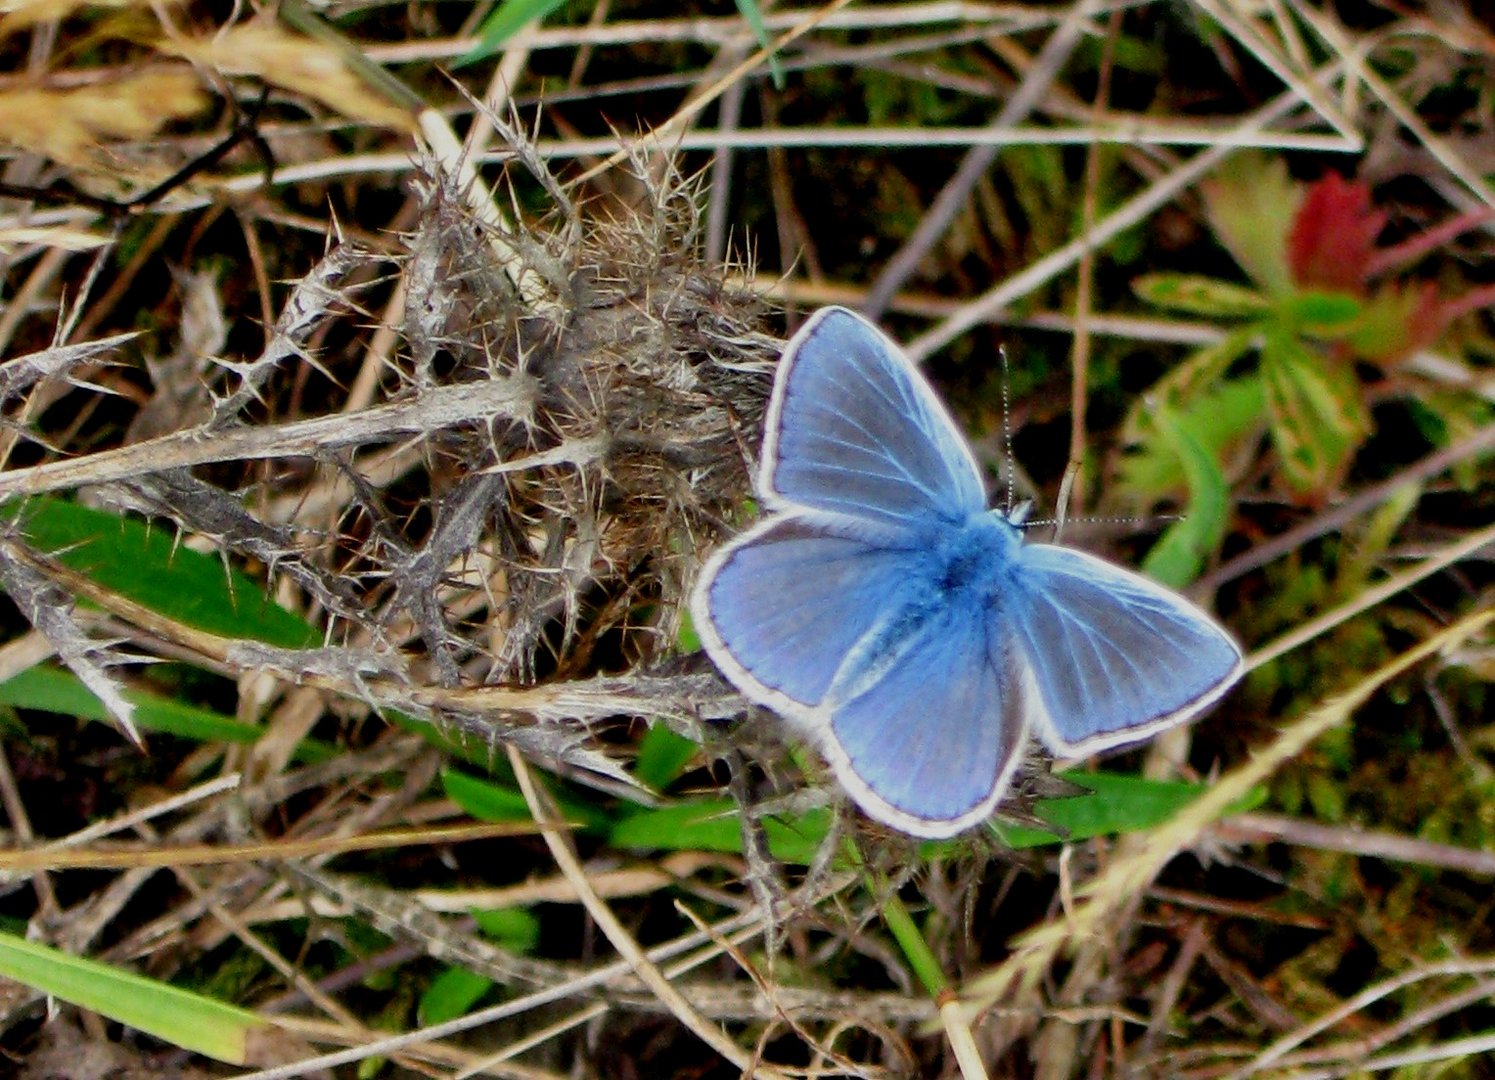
x: 915, y: 949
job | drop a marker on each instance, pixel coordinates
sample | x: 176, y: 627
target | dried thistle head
x: 647, y: 375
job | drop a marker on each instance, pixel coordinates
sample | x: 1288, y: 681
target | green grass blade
x: 662, y: 757
x: 1201, y: 295
x: 487, y: 800
x: 1179, y: 557
x: 203, y: 1025
x: 712, y: 825
x: 451, y: 994
x: 1117, y: 804
x: 148, y: 566
x: 754, y: 16
x: 507, y: 20
x: 51, y: 690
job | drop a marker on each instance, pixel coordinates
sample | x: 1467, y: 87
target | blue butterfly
x: 906, y: 630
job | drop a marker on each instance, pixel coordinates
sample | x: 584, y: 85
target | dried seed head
x: 650, y: 376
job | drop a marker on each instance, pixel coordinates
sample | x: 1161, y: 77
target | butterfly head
x: 1017, y: 516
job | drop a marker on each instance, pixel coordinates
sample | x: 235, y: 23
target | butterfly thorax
x: 970, y: 572
x: 977, y: 558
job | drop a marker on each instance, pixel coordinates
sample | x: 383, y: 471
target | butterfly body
x: 978, y: 559
x: 907, y: 630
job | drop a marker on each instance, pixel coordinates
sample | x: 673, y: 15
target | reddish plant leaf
x: 1333, y: 235
x: 1398, y: 321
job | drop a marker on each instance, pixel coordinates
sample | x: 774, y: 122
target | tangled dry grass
x: 359, y: 472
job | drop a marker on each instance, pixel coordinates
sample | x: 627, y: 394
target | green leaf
x: 483, y: 799
x: 507, y: 19
x: 453, y: 742
x: 1201, y: 372
x: 1323, y: 314
x: 1200, y: 295
x: 488, y: 801
x: 1179, y: 556
x: 712, y: 825
x: 689, y: 639
x: 1120, y: 804
x: 754, y: 16
x: 200, y: 1024
x: 52, y: 690
x: 148, y: 565
x: 1213, y: 411
x: 1252, y: 203
x: 663, y: 756
x: 1318, y: 419
x: 451, y: 994
x: 1397, y: 319
x: 514, y: 928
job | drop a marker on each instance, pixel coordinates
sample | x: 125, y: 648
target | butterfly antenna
x: 1061, y: 521
x: 1007, y: 424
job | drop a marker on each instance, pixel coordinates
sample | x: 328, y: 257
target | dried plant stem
x: 1437, y: 146
x: 1126, y: 878
x: 666, y: 132
x: 288, y: 971
x: 1262, y: 828
x: 1285, y: 68
x: 133, y: 818
x: 619, y: 937
x: 53, y: 858
x: 1123, y: 217
x: 978, y: 160
x: 1119, y: 132
x: 1079, y: 392
x: 1370, y: 598
x: 1367, y: 997
x: 726, y: 30
x: 438, y: 408
x: 736, y: 928
x: 20, y: 824
x: 457, y: 158
x: 1476, y: 446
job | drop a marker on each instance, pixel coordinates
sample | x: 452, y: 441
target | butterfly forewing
x: 1116, y: 657
x: 781, y: 606
x: 854, y: 429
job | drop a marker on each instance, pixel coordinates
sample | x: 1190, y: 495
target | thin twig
x: 978, y: 160
x: 1123, y: 217
x: 1277, y: 828
x: 619, y: 937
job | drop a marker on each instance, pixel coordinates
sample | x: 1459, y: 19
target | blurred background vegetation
x: 376, y: 377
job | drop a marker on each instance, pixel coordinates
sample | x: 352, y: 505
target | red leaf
x: 1333, y: 235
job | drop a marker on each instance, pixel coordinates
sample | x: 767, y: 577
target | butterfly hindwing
x: 929, y: 746
x: 853, y: 428
x: 1116, y: 657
